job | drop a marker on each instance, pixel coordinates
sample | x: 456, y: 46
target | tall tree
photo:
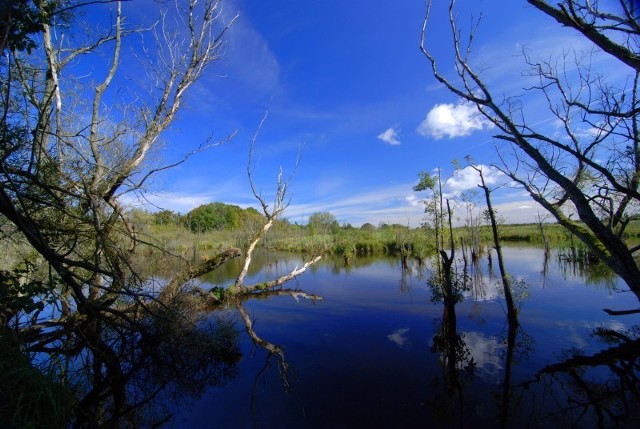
x: 72, y: 144
x: 594, y: 175
x: 69, y: 152
x: 436, y: 216
x: 512, y: 313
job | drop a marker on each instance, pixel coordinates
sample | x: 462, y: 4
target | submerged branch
x: 621, y: 312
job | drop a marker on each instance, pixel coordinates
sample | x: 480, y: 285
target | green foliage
x: 166, y: 217
x: 531, y: 233
x: 22, y: 20
x: 386, y: 239
x: 395, y: 227
x: 21, y: 292
x: 323, y: 223
x: 368, y: 227
x: 220, y: 216
x: 426, y: 182
x: 453, y: 292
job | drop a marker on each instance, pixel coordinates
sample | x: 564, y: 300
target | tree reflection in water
x: 170, y: 361
x: 483, y: 373
x: 163, y: 349
x: 455, y: 357
x: 600, y: 390
x: 457, y: 361
x: 459, y: 369
x: 121, y: 375
x: 457, y: 366
x: 519, y: 345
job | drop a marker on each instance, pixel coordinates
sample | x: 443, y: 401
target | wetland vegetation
x: 115, y: 317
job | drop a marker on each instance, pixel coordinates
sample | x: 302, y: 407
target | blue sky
x: 345, y: 85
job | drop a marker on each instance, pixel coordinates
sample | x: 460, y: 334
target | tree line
x: 218, y: 216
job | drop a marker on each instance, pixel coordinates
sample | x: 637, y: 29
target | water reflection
x: 505, y: 406
x: 377, y: 353
x: 465, y: 355
x: 601, y: 389
x: 580, y: 261
x: 124, y: 376
x: 457, y: 365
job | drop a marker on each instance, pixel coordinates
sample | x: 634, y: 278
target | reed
x: 418, y: 242
x: 30, y: 397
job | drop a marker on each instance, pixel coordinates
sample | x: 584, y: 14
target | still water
x: 377, y: 352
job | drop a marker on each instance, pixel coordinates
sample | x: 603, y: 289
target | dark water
x: 376, y: 352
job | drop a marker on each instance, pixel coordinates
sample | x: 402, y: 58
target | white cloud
x: 399, y: 337
x: 468, y: 178
x: 453, y: 120
x: 248, y: 59
x: 485, y: 351
x: 390, y: 136
x: 413, y: 200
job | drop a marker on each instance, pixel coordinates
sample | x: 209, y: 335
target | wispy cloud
x: 179, y: 203
x: 390, y: 136
x: 453, y: 120
x: 389, y: 204
x: 184, y: 194
x: 412, y: 200
x: 248, y: 57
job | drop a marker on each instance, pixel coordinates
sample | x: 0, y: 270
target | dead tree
x: 595, y: 176
x: 512, y: 313
x: 69, y: 154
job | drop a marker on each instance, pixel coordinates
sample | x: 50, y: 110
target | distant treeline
x: 211, y: 217
x: 212, y: 227
x: 228, y: 217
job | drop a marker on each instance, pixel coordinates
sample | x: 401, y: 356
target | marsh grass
x: 419, y: 242
x: 30, y: 397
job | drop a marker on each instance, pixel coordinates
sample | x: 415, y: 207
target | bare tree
x: 512, y: 313
x: 72, y: 144
x: 67, y: 161
x: 271, y: 213
x: 594, y: 174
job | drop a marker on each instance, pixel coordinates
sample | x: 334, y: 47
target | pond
x: 377, y: 352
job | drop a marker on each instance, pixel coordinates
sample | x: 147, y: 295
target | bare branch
x: 270, y: 347
x: 271, y: 213
x: 590, y: 31
x: 596, y: 173
x: 281, y: 280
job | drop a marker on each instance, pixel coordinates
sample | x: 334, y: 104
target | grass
x: 30, y: 397
x: 419, y: 242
